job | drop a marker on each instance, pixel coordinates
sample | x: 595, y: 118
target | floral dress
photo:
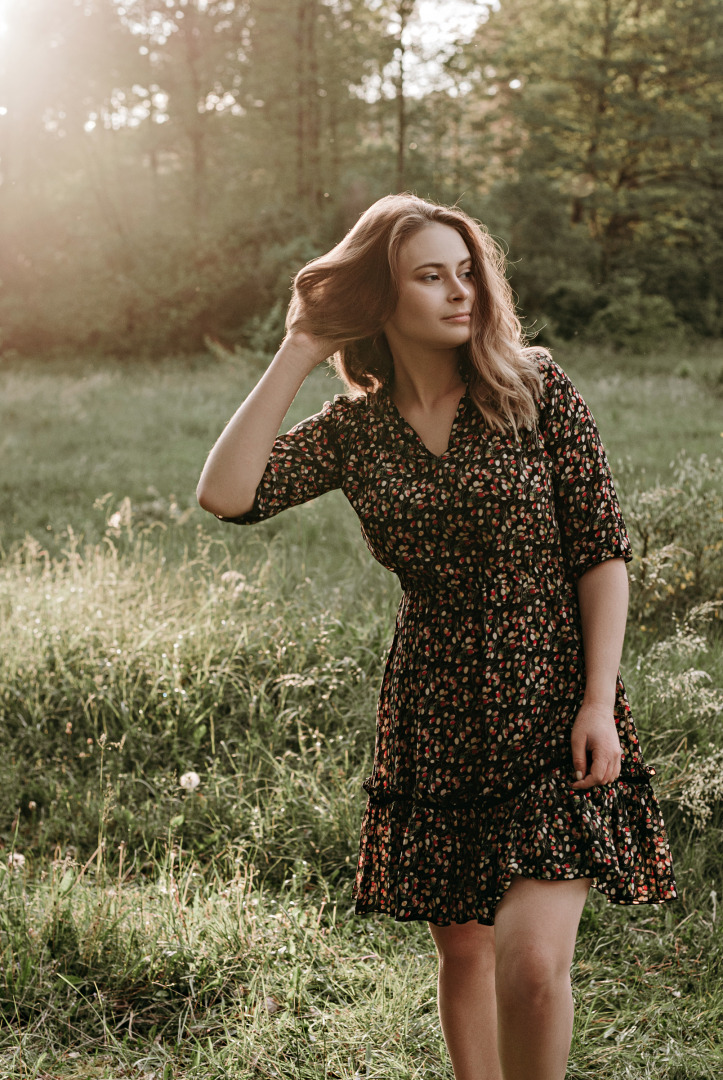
x: 472, y: 772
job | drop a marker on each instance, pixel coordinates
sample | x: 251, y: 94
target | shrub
x: 571, y: 306
x: 676, y: 534
x: 676, y: 693
x: 634, y: 321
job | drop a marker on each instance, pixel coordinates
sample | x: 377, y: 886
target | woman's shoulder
x: 340, y: 414
x: 549, y: 369
x: 346, y: 408
x: 555, y: 382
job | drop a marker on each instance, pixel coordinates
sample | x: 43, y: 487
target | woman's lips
x: 460, y: 317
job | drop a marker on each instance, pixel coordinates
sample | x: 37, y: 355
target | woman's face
x: 436, y: 292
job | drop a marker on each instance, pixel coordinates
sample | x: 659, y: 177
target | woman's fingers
x: 604, y: 769
x: 578, y: 745
x: 595, y: 747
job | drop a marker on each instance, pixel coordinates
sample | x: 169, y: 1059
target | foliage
x: 633, y: 321
x: 620, y: 125
x: 676, y: 532
x: 177, y: 161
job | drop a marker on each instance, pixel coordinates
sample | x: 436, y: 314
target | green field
x: 151, y: 931
x: 73, y: 434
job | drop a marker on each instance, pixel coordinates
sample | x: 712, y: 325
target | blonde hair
x: 350, y: 293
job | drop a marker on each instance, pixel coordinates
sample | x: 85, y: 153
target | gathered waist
x: 489, y: 589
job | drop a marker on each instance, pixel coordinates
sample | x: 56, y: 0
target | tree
x: 618, y: 108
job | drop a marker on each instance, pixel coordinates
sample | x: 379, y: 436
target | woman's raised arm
x: 234, y: 467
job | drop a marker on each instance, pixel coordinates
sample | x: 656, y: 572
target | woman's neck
x: 426, y: 380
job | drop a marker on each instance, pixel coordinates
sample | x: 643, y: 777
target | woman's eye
x: 431, y: 277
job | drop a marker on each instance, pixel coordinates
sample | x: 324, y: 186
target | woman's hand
x: 236, y: 463
x: 595, y: 747
x: 307, y: 349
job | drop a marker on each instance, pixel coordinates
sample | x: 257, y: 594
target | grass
x: 76, y: 437
x: 217, y: 978
x: 149, y: 931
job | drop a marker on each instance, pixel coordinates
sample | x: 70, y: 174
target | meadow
x: 150, y: 929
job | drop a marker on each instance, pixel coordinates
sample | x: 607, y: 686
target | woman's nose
x: 460, y: 289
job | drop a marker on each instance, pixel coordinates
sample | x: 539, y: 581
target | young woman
x: 508, y: 777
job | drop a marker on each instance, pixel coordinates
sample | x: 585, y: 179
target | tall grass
x: 151, y: 929
x: 143, y: 909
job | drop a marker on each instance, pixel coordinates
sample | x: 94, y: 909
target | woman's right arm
x: 234, y: 467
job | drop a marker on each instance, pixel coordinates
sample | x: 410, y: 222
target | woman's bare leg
x: 535, y: 929
x: 466, y: 993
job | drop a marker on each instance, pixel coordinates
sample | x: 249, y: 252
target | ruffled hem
x: 451, y: 863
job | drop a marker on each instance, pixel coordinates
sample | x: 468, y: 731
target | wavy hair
x: 350, y: 293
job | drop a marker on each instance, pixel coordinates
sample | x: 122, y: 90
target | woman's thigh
x: 470, y: 941
x: 536, y: 927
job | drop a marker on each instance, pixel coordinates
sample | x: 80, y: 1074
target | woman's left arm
x: 603, y: 598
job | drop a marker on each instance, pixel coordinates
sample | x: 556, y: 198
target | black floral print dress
x: 472, y: 766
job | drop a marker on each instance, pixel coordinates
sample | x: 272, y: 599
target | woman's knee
x: 527, y: 976
x: 470, y: 942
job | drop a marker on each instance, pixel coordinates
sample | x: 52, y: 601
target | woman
x: 507, y: 776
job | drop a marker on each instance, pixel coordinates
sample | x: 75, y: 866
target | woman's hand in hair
x: 309, y: 349
x: 237, y: 461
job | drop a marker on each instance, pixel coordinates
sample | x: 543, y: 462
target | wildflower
x: 190, y: 781
x: 16, y: 861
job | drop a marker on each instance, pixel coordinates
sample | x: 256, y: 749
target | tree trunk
x: 300, y: 36
x: 191, y: 32
x: 600, y: 109
x: 403, y: 12
x: 308, y: 125
x: 314, y: 148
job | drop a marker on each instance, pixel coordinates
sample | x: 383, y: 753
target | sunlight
x: 5, y: 8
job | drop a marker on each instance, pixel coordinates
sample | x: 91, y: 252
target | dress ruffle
x: 449, y: 862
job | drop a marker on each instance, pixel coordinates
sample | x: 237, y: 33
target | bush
x: 633, y: 321
x: 676, y: 534
x: 571, y: 306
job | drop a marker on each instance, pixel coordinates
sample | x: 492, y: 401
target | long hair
x: 350, y: 293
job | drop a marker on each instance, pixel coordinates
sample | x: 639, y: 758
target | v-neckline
x: 452, y: 431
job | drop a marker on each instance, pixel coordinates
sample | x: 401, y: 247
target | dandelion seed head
x: 190, y: 781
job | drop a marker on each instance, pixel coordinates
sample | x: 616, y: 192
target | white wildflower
x: 190, y: 781
x: 704, y: 787
x: 16, y: 861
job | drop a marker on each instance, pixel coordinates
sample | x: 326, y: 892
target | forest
x: 167, y: 165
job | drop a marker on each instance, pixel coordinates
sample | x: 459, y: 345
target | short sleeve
x: 586, y: 504
x: 304, y: 463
